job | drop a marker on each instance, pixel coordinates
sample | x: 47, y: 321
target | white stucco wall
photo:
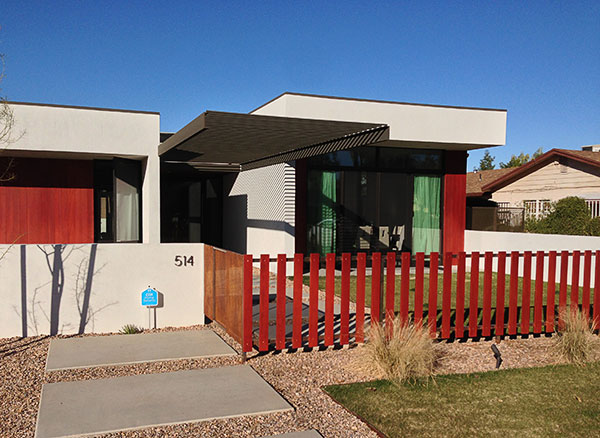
x: 259, y: 211
x: 494, y: 241
x: 86, y: 133
x: 501, y: 241
x: 120, y: 273
x: 407, y: 122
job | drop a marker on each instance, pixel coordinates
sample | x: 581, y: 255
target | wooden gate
x: 223, y: 280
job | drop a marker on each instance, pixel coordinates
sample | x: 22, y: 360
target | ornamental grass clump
x: 400, y: 354
x: 130, y: 329
x: 576, y: 341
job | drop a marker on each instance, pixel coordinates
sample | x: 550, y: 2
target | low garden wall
x: 96, y: 288
x: 496, y: 241
x: 502, y: 241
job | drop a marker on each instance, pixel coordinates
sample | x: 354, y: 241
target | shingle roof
x: 476, y: 180
x: 588, y: 155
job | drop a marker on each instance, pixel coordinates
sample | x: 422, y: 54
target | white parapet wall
x: 96, y: 288
x: 495, y: 241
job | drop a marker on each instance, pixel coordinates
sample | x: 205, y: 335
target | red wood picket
x: 419, y: 277
x: 575, y: 281
x: 446, y: 295
x: 538, y: 302
x: 596, y: 316
x: 513, y: 293
x: 587, y: 273
x: 329, y: 294
x: 263, y: 329
x: 500, y: 291
x: 281, y: 301
x: 361, y: 264
x: 404, y: 286
x: 390, y: 286
x: 247, y: 306
x: 375, y: 286
x: 460, y: 296
x: 345, y: 300
x: 474, y: 294
x: 550, y: 291
x: 433, y: 291
x: 526, y: 293
x: 487, y: 294
x: 297, y: 304
x: 540, y: 321
x: 562, y: 293
x: 313, y: 302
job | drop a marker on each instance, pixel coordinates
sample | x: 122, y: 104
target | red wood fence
x: 472, y: 301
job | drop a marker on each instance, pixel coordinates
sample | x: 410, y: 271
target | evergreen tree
x: 486, y: 163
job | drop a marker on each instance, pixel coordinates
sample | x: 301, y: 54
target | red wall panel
x: 455, y: 199
x: 47, y: 201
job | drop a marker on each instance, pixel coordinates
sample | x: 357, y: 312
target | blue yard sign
x: 150, y: 298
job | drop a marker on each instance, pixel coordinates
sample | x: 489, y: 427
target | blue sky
x: 538, y: 60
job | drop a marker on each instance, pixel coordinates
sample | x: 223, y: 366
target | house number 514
x: 184, y: 260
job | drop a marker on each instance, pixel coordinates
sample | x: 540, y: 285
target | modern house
x: 101, y: 194
x: 533, y: 186
x: 306, y: 173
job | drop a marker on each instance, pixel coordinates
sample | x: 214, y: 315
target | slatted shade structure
x: 232, y: 141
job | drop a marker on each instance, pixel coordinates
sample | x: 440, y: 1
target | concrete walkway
x: 91, y: 351
x: 122, y: 403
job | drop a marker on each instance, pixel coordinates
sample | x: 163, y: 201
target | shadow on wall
x: 32, y: 309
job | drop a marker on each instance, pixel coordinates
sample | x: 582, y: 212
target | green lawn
x: 306, y: 280
x: 535, y: 402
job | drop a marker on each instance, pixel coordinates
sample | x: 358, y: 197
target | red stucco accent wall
x: 455, y: 198
x: 47, y: 201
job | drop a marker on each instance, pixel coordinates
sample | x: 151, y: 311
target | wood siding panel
x: 48, y: 201
x: 454, y: 205
x: 550, y: 183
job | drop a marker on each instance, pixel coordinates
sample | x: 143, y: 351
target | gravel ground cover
x: 297, y: 376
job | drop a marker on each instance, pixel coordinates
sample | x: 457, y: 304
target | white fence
x: 594, y: 206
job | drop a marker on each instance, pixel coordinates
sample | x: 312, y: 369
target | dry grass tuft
x: 576, y: 341
x: 402, y: 356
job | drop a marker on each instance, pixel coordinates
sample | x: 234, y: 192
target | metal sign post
x: 150, y: 300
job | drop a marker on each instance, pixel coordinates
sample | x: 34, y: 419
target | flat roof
x: 290, y: 93
x: 93, y: 108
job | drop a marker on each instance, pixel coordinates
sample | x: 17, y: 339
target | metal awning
x: 232, y: 141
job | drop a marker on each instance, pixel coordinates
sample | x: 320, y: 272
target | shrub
x: 594, y: 227
x: 576, y: 341
x: 569, y: 215
x: 130, y: 329
x: 404, y: 355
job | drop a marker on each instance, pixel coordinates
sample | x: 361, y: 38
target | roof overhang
x: 224, y: 141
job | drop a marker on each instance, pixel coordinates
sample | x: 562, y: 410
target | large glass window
x: 117, y: 200
x: 374, y: 199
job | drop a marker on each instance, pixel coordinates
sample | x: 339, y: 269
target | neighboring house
x: 533, y: 186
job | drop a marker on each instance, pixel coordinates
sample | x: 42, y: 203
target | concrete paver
x: 94, y: 351
x: 122, y: 403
